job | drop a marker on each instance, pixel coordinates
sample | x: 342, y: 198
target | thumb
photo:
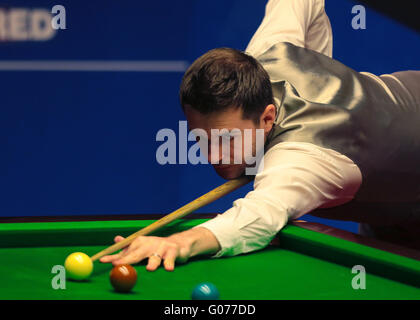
x: 118, y: 238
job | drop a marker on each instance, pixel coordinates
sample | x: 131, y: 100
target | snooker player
x: 336, y: 141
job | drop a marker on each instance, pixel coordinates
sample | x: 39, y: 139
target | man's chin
x: 229, y: 174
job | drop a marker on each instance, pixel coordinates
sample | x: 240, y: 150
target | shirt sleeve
x: 296, y: 178
x: 303, y: 23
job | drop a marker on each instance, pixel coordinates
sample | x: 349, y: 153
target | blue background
x: 77, y: 143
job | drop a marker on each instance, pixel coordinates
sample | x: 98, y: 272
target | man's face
x: 223, y: 150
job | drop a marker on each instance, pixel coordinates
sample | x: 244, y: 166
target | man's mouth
x: 222, y: 167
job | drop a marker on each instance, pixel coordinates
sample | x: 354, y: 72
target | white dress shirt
x: 303, y: 23
x: 297, y: 177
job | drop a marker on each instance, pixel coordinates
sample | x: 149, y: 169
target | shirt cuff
x: 226, y: 233
x: 239, y: 230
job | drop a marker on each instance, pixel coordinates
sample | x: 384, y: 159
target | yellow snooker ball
x: 78, y: 266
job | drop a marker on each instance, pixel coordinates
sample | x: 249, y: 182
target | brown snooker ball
x: 123, y: 278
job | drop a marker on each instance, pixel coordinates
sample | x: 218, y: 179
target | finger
x: 156, y: 259
x: 131, y: 254
x: 131, y: 257
x: 137, y: 243
x: 154, y: 263
x: 170, y: 257
x: 118, y: 238
x: 111, y: 258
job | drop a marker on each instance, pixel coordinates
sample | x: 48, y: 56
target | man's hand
x: 176, y: 248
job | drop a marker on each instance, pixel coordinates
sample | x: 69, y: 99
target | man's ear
x: 268, y: 117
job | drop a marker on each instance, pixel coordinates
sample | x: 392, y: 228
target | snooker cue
x: 205, y: 199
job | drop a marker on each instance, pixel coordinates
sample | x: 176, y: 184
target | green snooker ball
x: 205, y: 291
x: 78, y: 266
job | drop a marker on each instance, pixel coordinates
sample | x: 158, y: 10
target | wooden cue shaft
x: 177, y: 214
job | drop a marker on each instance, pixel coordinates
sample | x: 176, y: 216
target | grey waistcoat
x: 323, y: 102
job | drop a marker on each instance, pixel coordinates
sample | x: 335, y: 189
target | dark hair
x: 224, y: 78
